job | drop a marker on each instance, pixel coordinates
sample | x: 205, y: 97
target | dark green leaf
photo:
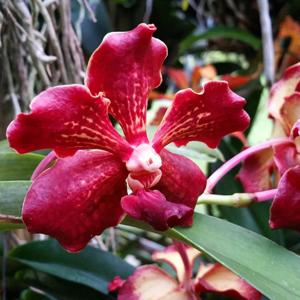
x: 57, y: 288
x: 269, y: 267
x: 29, y: 294
x: 221, y: 32
x: 91, y: 267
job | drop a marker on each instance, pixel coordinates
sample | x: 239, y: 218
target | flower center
x: 143, y: 167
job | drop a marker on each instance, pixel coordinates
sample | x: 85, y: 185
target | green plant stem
x: 237, y: 199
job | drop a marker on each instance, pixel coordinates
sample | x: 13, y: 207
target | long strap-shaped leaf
x: 272, y: 269
x: 269, y: 267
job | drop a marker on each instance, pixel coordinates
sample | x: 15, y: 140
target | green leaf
x: 6, y: 225
x: 14, y: 166
x: 4, y: 147
x: 34, y: 295
x: 262, y: 125
x: 91, y: 267
x: 57, y: 288
x: 198, y: 152
x: 221, y: 32
x: 12, y: 194
x: 269, y: 267
x: 204, y: 149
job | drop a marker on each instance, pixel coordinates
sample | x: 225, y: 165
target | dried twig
x: 10, y: 83
x: 79, y: 20
x: 89, y: 10
x: 198, y: 8
x: 42, y: 49
x: 65, y: 13
x: 54, y: 40
x: 24, y: 13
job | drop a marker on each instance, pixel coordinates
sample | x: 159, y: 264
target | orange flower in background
x: 287, y: 43
x: 182, y: 80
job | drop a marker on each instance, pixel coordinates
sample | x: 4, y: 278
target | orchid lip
x: 143, y: 180
x: 143, y: 158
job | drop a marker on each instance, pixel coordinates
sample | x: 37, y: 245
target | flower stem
x: 265, y: 195
x: 10, y: 219
x: 237, y: 199
x: 234, y: 161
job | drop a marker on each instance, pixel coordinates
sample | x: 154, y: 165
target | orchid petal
x: 151, y: 282
x: 126, y: 66
x: 295, y: 132
x: 77, y: 198
x: 171, y: 256
x: 256, y: 171
x: 218, y: 279
x: 285, y: 87
x: 285, y: 209
x: 66, y: 118
x: 115, y: 284
x: 153, y: 208
x: 290, y: 111
x: 207, y: 116
x: 286, y: 156
x: 182, y: 180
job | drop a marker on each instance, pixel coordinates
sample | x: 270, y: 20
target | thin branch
x: 65, y: 14
x: 10, y: 83
x: 54, y: 40
x: 23, y: 11
x: 77, y: 54
x: 80, y: 19
x: 148, y: 11
x: 89, y: 10
x: 1, y: 25
x: 267, y: 38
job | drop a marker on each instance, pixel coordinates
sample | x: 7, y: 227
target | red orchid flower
x: 279, y: 165
x: 85, y: 191
x: 260, y: 170
x: 285, y: 208
x: 210, y: 278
